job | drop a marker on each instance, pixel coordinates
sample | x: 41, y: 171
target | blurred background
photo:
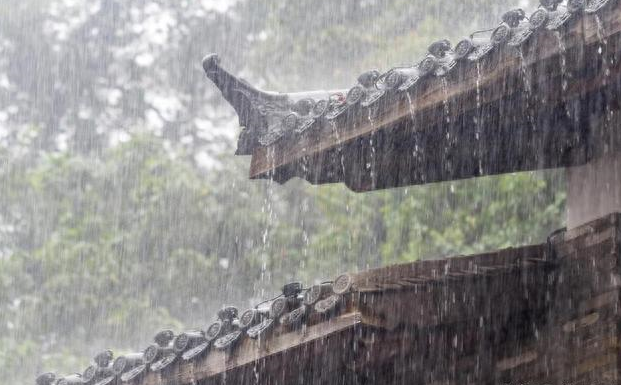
x: 122, y: 207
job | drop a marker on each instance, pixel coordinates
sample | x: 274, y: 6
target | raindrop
x: 410, y: 105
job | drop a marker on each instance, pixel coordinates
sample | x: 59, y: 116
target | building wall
x: 551, y: 319
x: 594, y: 190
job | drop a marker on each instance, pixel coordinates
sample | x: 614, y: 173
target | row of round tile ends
x: 290, y: 310
x: 514, y: 30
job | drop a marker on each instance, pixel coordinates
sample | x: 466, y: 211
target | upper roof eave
x: 453, y: 100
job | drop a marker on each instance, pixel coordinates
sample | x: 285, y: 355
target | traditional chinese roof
x: 527, y: 94
x: 474, y: 319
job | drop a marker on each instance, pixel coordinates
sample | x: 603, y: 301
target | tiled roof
x: 359, y: 323
x: 295, y: 307
x: 295, y: 312
x: 267, y: 117
x: 307, y: 128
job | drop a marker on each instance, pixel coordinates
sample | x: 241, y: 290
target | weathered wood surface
x: 410, y: 274
x: 509, y: 113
